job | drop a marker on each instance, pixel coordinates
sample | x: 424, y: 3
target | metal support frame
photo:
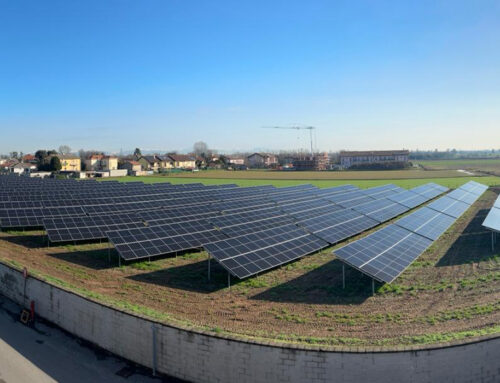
x: 373, y: 286
x: 343, y: 276
x: 228, y: 280
x: 208, y: 261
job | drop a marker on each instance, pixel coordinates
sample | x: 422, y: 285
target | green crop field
x: 487, y: 165
x: 451, y: 182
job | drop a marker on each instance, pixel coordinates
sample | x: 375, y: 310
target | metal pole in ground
x: 492, y: 241
x: 209, y: 267
x: 228, y: 280
x: 343, y: 276
x: 373, y: 286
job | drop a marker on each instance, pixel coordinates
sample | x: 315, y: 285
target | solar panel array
x: 386, y: 253
x: 492, y: 220
x: 246, y: 229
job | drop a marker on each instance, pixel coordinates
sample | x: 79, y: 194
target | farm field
x: 490, y: 166
x: 451, y: 182
x: 320, y: 175
x: 451, y: 292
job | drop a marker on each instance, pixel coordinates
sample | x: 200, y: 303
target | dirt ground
x: 453, y: 288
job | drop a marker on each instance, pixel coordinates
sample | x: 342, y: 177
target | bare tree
x: 64, y: 149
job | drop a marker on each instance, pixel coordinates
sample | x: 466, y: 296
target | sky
x: 161, y: 75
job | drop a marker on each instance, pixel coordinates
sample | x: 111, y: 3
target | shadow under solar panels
x: 384, y: 254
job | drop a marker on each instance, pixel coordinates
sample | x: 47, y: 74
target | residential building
x: 262, y: 160
x: 100, y: 162
x: 22, y: 168
x: 165, y: 162
x: 183, y: 161
x: 70, y: 163
x: 149, y: 163
x: 132, y: 167
x: 314, y: 163
x: 236, y: 160
x: 348, y: 159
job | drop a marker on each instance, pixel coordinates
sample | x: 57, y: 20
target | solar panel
x: 336, y: 190
x: 464, y: 196
x: 250, y: 254
x: 449, y: 206
x: 492, y: 220
x: 428, y: 190
x: 88, y: 228
x: 427, y: 222
x: 255, y: 226
x: 336, y: 226
x: 159, y: 240
x: 408, y: 199
x: 384, y: 254
x: 349, y: 199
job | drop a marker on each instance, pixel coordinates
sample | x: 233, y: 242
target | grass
x: 451, y: 182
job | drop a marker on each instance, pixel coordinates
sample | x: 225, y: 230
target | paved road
x: 47, y: 354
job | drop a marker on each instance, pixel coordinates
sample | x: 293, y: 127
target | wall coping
x: 273, y: 343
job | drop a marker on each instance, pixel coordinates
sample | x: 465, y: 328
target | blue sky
x: 162, y: 75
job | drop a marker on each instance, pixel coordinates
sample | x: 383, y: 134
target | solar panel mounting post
x: 373, y: 286
x: 208, y: 267
x: 343, y: 275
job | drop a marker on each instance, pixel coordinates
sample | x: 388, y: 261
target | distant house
x: 70, y: 163
x: 22, y: 168
x: 29, y: 158
x: 99, y: 162
x: 132, y: 166
x: 262, y: 160
x: 348, y: 159
x: 236, y: 160
x: 165, y: 162
x: 149, y: 163
x: 183, y: 161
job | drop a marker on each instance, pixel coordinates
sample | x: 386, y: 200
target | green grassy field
x: 451, y: 182
x: 487, y: 165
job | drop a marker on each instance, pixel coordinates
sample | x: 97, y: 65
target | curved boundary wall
x: 203, y: 357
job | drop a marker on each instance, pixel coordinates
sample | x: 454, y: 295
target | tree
x: 52, y: 152
x: 200, y: 148
x: 55, y: 164
x: 64, y: 149
x: 137, y: 153
x: 40, y: 155
x: 13, y: 155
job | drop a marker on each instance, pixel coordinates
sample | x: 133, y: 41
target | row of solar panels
x: 24, y: 216
x: 492, y: 220
x: 251, y: 241
x: 304, y: 202
x: 386, y: 253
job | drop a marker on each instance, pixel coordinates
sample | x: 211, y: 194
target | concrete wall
x: 202, y: 357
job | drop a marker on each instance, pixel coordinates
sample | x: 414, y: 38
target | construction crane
x: 310, y: 128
